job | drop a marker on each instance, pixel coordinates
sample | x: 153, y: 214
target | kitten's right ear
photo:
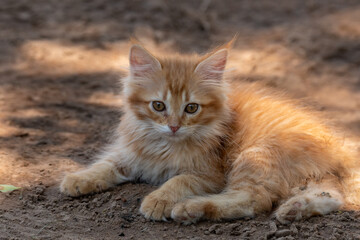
x: 212, y: 68
x: 142, y: 62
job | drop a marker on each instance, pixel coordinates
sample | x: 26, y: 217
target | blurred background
x: 61, y: 61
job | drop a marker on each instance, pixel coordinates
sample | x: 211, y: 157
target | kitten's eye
x: 191, y: 107
x: 158, y: 106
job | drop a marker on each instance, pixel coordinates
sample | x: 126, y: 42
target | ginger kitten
x: 220, y: 151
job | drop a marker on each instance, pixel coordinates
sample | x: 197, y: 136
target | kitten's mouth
x: 173, y: 134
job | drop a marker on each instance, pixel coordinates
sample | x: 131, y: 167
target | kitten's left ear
x: 212, y: 68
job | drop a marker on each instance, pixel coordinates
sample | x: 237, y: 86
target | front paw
x: 157, y: 206
x: 76, y: 184
x: 188, y: 212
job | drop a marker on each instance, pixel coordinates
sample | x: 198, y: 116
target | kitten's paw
x: 290, y: 211
x: 157, y: 206
x: 309, y: 204
x: 188, y: 212
x: 76, y: 184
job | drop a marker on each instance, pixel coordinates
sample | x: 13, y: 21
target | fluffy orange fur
x: 243, y: 151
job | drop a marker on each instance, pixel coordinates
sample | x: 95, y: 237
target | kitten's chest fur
x: 160, y: 160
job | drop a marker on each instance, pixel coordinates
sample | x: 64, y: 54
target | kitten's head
x: 177, y: 97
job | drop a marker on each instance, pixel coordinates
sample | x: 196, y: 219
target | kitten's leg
x: 158, y: 204
x: 98, y: 177
x: 317, y: 199
x: 230, y: 204
x: 253, y: 184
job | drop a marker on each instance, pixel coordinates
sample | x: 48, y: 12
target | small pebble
x: 283, y: 233
x: 294, y: 229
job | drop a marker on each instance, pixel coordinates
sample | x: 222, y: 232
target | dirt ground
x: 60, y: 65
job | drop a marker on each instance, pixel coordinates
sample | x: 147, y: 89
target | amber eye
x: 158, y: 106
x: 191, y: 107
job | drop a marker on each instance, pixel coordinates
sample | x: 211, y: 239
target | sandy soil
x: 60, y: 64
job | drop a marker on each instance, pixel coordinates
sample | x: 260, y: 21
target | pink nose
x: 174, y: 128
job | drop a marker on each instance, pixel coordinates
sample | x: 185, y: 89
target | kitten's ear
x: 212, y: 67
x: 142, y: 62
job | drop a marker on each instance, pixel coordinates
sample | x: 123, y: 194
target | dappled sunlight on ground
x: 56, y: 58
x: 60, y: 90
x: 15, y: 171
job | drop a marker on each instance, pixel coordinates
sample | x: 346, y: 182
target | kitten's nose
x: 174, y: 128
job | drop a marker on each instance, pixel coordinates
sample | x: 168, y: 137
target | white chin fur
x: 166, y: 132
